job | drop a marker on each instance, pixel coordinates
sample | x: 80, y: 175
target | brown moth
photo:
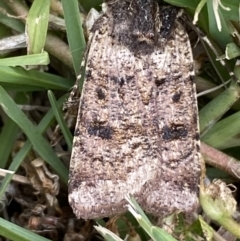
x: 137, y: 126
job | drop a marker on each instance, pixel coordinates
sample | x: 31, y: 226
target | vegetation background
x: 36, y: 76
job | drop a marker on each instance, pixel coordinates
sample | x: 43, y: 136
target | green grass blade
x: 74, y: 32
x: 18, y: 75
x: 17, y: 233
x: 8, y: 136
x: 222, y: 132
x: 154, y: 232
x: 59, y: 117
x: 222, y: 36
x: 32, y: 59
x: 107, y: 234
x: 37, y: 25
x: 21, y: 155
x: 215, y: 109
x: 40, y: 144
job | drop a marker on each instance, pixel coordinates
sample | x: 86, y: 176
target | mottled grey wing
x: 137, y: 128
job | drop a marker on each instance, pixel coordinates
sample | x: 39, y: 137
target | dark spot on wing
x: 100, y: 93
x: 77, y: 132
x: 88, y: 73
x: 167, y: 16
x: 197, y: 136
x: 176, y: 97
x: 195, y: 119
x: 198, y: 148
x: 114, y: 79
x: 159, y: 82
x: 129, y: 78
x: 174, y: 132
x: 118, y: 80
x: 104, y: 132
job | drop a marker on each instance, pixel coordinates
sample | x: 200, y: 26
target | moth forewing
x: 137, y: 126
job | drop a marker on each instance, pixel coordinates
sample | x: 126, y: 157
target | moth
x: 137, y: 125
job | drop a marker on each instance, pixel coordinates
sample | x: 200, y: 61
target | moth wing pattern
x: 137, y: 127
